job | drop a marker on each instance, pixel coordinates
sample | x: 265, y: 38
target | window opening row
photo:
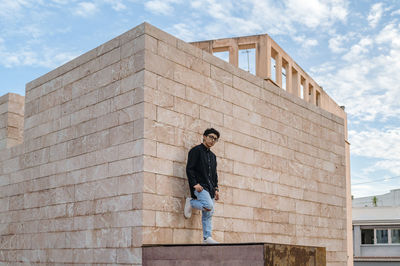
x: 380, y: 236
x: 247, y: 62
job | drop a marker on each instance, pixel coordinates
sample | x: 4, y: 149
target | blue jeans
x: 204, y: 201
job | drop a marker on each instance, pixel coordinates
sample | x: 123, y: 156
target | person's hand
x: 198, y: 188
x: 216, y: 195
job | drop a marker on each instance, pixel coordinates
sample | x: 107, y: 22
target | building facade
x: 376, y: 229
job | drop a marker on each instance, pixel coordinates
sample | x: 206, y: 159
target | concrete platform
x: 249, y: 254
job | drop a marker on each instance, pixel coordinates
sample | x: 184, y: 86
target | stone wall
x: 102, y: 167
x: 71, y: 193
x: 11, y: 120
x: 281, y: 161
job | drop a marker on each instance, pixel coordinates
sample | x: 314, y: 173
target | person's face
x: 210, y: 140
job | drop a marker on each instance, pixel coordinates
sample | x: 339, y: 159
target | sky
x: 350, y: 48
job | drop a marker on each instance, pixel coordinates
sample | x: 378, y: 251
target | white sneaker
x: 187, y: 211
x: 210, y: 240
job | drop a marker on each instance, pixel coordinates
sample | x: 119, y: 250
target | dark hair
x: 209, y: 131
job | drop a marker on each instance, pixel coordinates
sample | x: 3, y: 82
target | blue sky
x: 351, y: 48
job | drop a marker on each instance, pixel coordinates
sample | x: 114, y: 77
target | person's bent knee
x: 208, y: 207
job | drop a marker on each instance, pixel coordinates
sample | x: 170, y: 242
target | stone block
x: 159, y: 97
x: 197, y: 97
x: 159, y: 34
x: 107, y: 255
x: 169, y: 219
x: 215, y: 117
x: 123, y: 100
x: 153, y: 235
x: 120, y: 203
x: 129, y: 218
x: 128, y: 184
x: 171, y: 87
x: 129, y: 255
x: 169, y: 152
x: 83, y: 223
x: 135, y: 81
x: 83, y: 256
x: 188, y: 77
x: 171, y: 53
x: 158, y: 165
x: 168, y: 185
x: 162, y: 203
x: 159, y: 65
x: 132, y: 64
x: 221, y: 75
x: 60, y: 256
x: 121, y: 134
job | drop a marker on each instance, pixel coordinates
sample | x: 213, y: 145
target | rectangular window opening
x: 318, y: 98
x: 285, y: 72
x: 395, y: 236
x: 310, y: 93
x: 247, y: 60
x: 224, y: 55
x: 273, y: 69
x: 367, y: 236
x: 302, y: 85
x: 382, y: 236
x: 295, y: 81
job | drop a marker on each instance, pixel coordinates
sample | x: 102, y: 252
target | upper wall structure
x: 298, y: 82
x: 101, y: 170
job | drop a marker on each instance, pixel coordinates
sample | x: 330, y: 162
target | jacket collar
x: 204, y: 147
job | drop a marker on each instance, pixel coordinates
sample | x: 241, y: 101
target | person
x: 201, y: 171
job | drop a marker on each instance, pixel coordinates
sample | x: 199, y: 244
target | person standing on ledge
x: 201, y: 170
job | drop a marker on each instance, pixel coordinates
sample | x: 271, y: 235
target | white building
x: 376, y: 230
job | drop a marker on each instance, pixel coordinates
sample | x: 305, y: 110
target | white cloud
x: 390, y: 35
x: 383, y: 146
x: 336, y: 44
x: 246, y: 17
x: 323, y: 68
x: 183, y: 31
x: 163, y: 7
x: 375, y: 14
x: 374, y: 188
x: 396, y: 12
x: 61, y: 2
x: 367, y: 81
x: 86, y: 9
x: 11, y: 8
x: 314, y: 13
x: 43, y: 57
x: 305, y: 43
x: 376, y: 143
x: 117, y: 5
x: 359, y: 49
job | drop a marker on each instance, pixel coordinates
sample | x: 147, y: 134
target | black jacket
x: 201, y: 168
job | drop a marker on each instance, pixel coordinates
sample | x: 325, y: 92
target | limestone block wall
x: 281, y: 160
x: 11, y: 120
x: 101, y: 170
x: 71, y: 193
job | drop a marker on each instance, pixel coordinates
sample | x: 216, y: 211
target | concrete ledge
x: 233, y: 254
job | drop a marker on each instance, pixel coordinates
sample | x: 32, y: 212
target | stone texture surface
x: 281, y: 160
x: 11, y: 120
x: 238, y: 254
x: 101, y: 170
x: 71, y: 192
